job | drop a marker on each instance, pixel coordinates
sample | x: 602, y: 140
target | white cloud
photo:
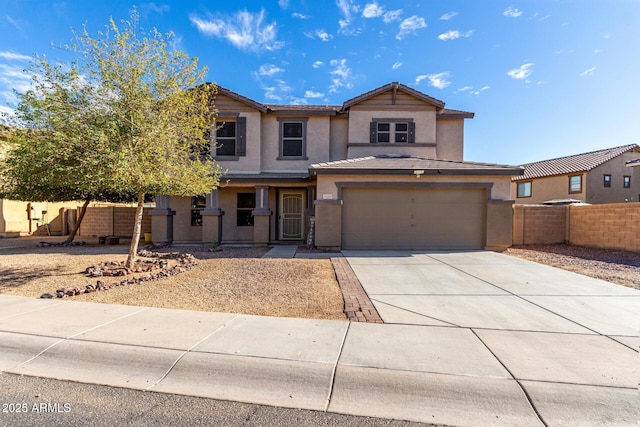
x: 323, y: 35
x: 6, y: 110
x: 269, y: 70
x: 588, y: 72
x: 448, y: 16
x: 454, y: 34
x: 14, y: 56
x: 392, y: 15
x: 312, y: 94
x: 479, y: 91
x: 279, y: 93
x: 346, y: 8
x: 396, y: 65
x: 340, y: 75
x: 410, y: 25
x: 439, y: 80
x: 372, y: 10
x: 317, y: 64
x: 521, y: 72
x: 146, y: 8
x: 421, y: 78
x: 245, y: 30
x: 512, y: 12
x: 283, y: 3
x: 300, y: 15
x: 464, y: 89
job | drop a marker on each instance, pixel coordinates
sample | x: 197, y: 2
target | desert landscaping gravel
x: 235, y: 280
x: 621, y: 267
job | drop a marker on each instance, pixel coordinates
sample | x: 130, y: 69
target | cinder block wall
x: 608, y: 226
x: 112, y: 221
x: 539, y: 224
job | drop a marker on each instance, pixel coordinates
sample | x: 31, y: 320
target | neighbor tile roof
x: 572, y: 164
x: 402, y: 164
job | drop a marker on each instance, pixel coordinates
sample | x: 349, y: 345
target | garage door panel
x: 413, y: 218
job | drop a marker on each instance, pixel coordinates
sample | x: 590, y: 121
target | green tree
x: 127, y: 118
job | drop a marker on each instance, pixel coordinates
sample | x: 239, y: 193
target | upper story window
x: 230, y: 139
x: 392, y: 131
x: 627, y: 181
x: 524, y: 189
x: 607, y: 180
x: 293, y: 139
x: 575, y: 184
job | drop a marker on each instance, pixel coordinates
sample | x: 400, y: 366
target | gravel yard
x: 235, y: 280
x: 613, y: 266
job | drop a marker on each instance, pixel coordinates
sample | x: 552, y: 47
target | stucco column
x: 261, y: 216
x: 212, y: 219
x: 328, y: 231
x: 162, y: 220
x: 499, y: 224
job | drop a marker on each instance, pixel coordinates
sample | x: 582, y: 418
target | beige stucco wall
x: 548, y: 188
x: 318, y: 144
x: 326, y: 184
x: 361, y: 117
x: 339, y: 135
x: 450, y: 139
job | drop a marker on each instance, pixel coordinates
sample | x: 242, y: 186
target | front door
x: 291, y: 215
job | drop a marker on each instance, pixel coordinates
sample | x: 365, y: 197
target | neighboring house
x: 384, y: 170
x: 23, y: 218
x: 595, y: 177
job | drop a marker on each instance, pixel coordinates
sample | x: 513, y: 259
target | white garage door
x: 413, y: 218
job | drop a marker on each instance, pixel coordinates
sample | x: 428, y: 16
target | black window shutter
x: 373, y: 132
x: 412, y: 132
x: 241, y: 136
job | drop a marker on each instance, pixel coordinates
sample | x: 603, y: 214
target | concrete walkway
x: 471, y: 338
x: 281, y: 251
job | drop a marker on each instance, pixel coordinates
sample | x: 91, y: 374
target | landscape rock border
x: 154, y: 264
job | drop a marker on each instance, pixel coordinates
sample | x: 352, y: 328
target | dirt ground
x: 235, y: 280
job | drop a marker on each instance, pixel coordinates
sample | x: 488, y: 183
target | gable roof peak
x: 394, y: 86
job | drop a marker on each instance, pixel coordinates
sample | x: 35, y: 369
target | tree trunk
x: 76, y: 226
x: 137, y: 228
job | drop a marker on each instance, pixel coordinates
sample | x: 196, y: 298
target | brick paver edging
x: 357, y: 305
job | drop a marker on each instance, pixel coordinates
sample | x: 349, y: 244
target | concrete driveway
x: 568, y: 342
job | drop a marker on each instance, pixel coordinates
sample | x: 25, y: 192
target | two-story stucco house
x: 384, y: 170
x: 595, y: 177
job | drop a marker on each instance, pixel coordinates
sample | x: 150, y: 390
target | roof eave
x: 417, y: 173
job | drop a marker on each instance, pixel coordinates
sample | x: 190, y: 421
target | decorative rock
x: 48, y: 296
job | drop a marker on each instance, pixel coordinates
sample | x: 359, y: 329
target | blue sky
x: 545, y: 78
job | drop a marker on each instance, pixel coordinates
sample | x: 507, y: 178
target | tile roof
x: 309, y: 109
x: 449, y: 113
x: 401, y: 164
x: 572, y: 164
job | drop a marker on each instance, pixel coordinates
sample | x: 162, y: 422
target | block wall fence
x: 112, y: 221
x: 607, y: 226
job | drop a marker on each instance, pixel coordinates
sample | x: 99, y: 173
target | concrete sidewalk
x: 491, y: 358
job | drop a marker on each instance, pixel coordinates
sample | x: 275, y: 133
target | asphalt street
x: 32, y: 401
